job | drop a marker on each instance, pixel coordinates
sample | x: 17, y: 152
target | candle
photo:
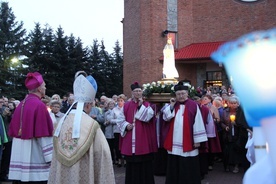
x: 232, y: 118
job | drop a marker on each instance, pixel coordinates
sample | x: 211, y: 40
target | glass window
x: 214, y: 75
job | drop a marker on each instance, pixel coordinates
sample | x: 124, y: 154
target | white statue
x: 169, y: 70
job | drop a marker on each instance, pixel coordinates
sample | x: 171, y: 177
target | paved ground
x: 216, y: 176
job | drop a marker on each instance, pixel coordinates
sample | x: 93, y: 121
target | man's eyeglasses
x: 180, y: 94
x: 56, y: 106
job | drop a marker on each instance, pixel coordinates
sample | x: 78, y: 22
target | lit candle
x: 232, y: 118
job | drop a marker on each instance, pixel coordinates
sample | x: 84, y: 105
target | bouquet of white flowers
x: 164, y: 87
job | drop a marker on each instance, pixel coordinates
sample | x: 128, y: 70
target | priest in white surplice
x: 186, y: 132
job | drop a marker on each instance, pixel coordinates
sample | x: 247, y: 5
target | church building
x: 197, y: 28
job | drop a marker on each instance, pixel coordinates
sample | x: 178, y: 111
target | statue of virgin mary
x: 169, y: 70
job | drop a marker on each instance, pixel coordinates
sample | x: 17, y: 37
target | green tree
x: 77, y: 54
x: 117, y: 69
x: 39, y: 53
x: 56, y: 56
x: 35, y: 50
x: 12, y: 38
x: 60, y: 75
x: 95, y: 66
x: 105, y: 70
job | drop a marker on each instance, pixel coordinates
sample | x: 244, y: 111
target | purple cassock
x: 144, y: 138
x: 213, y: 142
x: 204, y: 148
x: 33, y: 121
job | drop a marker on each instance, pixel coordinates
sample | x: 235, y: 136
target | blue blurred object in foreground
x: 250, y: 61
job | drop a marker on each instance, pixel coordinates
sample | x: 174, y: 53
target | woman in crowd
x: 213, y: 140
x: 109, y: 134
x: 218, y: 103
x: 95, y: 111
x: 70, y: 101
x: 56, y: 97
x: 235, y: 135
x: 118, y: 111
x: 6, y: 154
x: 46, y: 100
x: 55, y: 113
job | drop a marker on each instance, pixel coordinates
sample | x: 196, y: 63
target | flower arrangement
x: 158, y: 87
x: 164, y: 87
x: 192, y: 90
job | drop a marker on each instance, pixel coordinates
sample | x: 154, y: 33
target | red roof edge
x: 196, y: 51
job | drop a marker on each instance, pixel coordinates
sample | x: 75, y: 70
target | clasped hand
x: 129, y: 127
x: 172, y: 102
x: 140, y: 101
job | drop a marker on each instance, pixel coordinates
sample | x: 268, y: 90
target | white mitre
x: 85, y: 89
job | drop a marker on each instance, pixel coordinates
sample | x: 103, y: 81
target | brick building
x: 197, y: 27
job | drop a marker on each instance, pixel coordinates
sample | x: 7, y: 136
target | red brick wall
x: 198, y: 21
x: 131, y: 39
x: 209, y: 20
x: 187, y: 72
x: 143, y: 45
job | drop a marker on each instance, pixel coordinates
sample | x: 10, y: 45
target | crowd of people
x: 231, y: 132
x: 79, y: 138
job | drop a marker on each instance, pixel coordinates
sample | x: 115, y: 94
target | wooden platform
x: 160, y: 98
